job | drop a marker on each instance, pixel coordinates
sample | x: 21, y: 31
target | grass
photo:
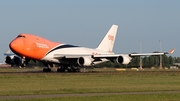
x: 70, y: 83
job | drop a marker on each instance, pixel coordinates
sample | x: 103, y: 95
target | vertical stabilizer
x: 108, y: 42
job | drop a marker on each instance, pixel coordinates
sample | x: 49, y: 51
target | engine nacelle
x: 84, y: 61
x: 15, y: 60
x: 123, y: 59
x: 18, y: 61
x: 9, y: 59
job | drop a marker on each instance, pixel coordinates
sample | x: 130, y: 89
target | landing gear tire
x: 68, y: 68
x: 46, y: 70
x: 78, y: 70
x: 74, y: 69
x: 60, y: 70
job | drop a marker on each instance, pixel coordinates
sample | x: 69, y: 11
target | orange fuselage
x: 31, y: 46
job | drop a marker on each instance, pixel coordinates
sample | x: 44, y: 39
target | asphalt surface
x: 87, y: 94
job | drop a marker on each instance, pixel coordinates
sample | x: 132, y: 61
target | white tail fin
x: 108, y: 42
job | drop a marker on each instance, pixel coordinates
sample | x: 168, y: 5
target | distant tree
x: 170, y: 60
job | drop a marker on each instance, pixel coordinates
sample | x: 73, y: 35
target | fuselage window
x: 20, y: 36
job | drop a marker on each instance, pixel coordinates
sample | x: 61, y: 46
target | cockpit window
x: 22, y: 36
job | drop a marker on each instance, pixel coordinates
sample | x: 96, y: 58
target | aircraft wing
x: 108, y: 56
x: 132, y: 55
x: 126, y: 58
x: 60, y: 56
x: 88, y: 59
x: 147, y: 54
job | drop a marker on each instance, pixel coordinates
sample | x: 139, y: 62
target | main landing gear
x: 48, y: 67
x: 63, y: 68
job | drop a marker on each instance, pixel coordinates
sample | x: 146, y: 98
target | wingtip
x: 172, y: 51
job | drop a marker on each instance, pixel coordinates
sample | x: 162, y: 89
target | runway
x: 79, y: 95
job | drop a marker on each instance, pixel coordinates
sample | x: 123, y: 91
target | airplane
x: 70, y: 57
x: 14, y: 59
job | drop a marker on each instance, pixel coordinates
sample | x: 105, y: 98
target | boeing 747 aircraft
x: 67, y: 56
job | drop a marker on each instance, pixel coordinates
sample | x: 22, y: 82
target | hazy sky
x: 85, y: 22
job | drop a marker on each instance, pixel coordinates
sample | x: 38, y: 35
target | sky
x: 153, y: 23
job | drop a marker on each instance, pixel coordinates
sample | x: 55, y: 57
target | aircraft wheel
x: 49, y: 70
x: 68, y: 70
x: 78, y: 70
x: 60, y: 70
x: 46, y: 70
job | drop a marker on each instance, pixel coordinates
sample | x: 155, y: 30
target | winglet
x: 171, y: 51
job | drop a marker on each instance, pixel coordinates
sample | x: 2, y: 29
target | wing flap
x: 60, y: 56
x: 106, y: 56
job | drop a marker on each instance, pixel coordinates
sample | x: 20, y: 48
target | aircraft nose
x: 16, y: 45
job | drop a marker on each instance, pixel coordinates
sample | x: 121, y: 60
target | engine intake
x: 84, y: 61
x: 123, y: 59
x: 17, y: 61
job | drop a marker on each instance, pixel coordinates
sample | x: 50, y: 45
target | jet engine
x: 18, y: 61
x: 84, y: 61
x: 15, y: 60
x: 123, y: 59
x: 9, y: 59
